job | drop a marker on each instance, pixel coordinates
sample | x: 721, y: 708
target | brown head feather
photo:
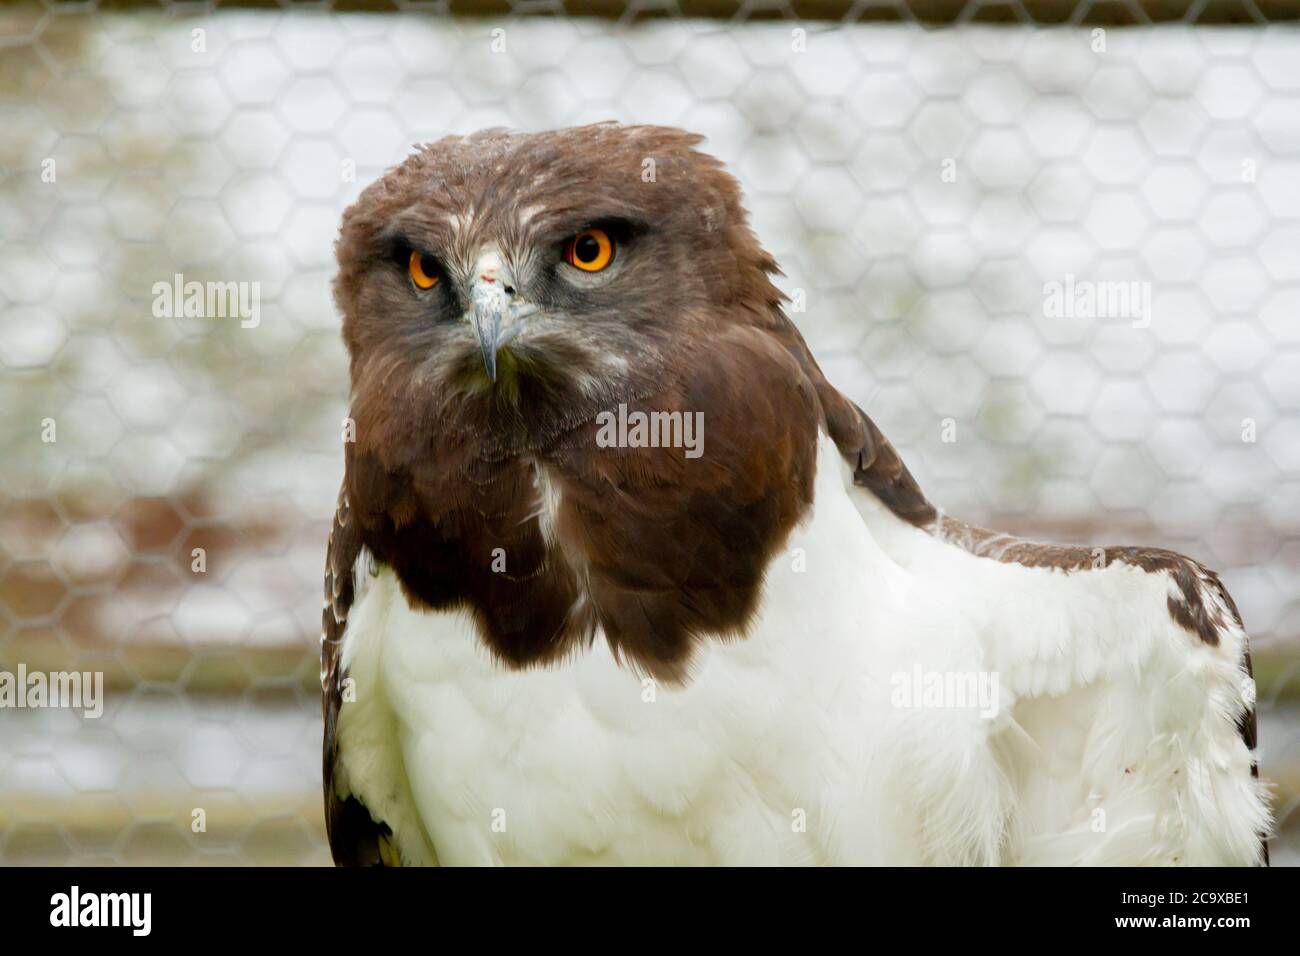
x: 444, y: 476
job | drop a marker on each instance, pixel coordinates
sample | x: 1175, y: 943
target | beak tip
x: 495, y: 321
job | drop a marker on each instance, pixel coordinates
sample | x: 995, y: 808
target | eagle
x: 616, y: 576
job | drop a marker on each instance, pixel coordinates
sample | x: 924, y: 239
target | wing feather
x: 1197, y: 601
x: 355, y: 839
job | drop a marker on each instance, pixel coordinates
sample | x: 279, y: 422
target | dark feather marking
x: 355, y: 838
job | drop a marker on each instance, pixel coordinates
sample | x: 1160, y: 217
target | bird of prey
x: 617, y: 576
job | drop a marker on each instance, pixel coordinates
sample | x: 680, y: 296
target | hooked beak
x: 497, y: 319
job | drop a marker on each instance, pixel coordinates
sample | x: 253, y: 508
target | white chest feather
x: 791, y: 745
x: 758, y: 758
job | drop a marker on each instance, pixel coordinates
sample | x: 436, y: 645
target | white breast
x: 763, y: 757
x: 791, y: 746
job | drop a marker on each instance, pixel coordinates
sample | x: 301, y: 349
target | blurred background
x: 920, y: 182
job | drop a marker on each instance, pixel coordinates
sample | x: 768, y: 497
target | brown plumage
x: 441, y: 475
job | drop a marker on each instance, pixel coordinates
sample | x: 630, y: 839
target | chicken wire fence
x: 1060, y: 268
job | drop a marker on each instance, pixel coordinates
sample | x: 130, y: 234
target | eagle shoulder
x: 1190, y: 596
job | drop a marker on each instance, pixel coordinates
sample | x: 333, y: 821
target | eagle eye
x: 590, y: 250
x: 422, y: 279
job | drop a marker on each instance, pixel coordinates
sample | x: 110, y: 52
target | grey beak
x: 487, y: 326
x: 497, y: 319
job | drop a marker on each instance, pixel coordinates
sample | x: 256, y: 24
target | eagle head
x: 502, y: 291
x: 519, y: 283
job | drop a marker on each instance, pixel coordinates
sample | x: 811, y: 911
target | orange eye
x: 590, y: 250
x: 418, y: 275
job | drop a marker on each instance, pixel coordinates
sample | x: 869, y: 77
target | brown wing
x: 877, y: 466
x: 355, y: 839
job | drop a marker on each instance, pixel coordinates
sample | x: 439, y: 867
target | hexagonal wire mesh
x: 919, y: 187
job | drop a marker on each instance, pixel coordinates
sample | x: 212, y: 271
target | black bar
x: 381, y: 908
